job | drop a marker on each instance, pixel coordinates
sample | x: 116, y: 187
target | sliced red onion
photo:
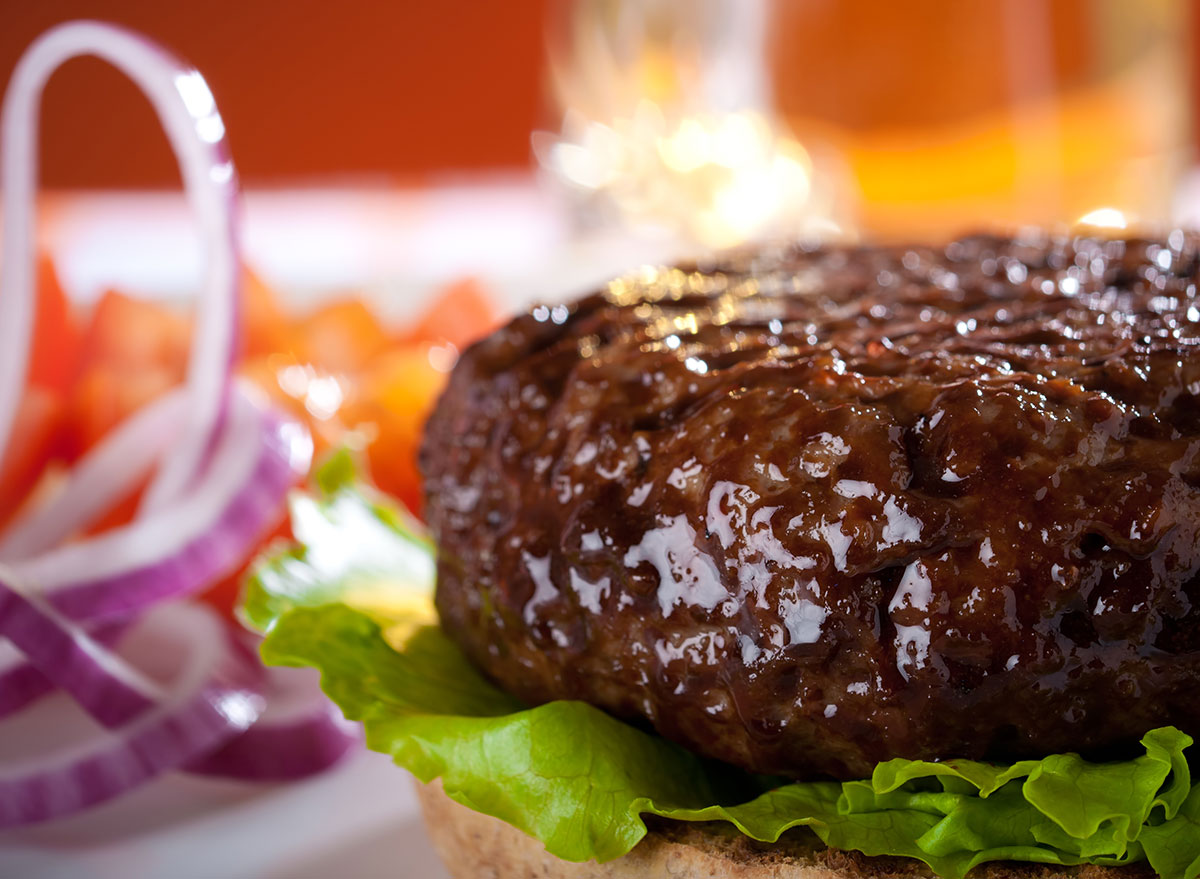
x: 105, y: 687
x: 219, y: 465
x: 211, y: 699
x: 22, y: 683
x: 109, y: 472
x: 300, y: 734
x: 188, y: 114
x: 188, y: 545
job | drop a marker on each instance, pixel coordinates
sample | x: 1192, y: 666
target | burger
x: 799, y: 562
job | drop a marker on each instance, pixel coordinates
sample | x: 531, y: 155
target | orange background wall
x: 308, y: 88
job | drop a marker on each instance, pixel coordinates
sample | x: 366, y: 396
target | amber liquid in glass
x: 950, y: 116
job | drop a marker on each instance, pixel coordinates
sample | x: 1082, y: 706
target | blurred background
x: 718, y: 120
x: 367, y: 89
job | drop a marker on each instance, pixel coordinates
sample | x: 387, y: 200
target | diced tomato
x: 341, y: 337
x: 54, y: 358
x: 265, y: 326
x: 37, y: 434
x: 335, y: 369
x: 31, y: 446
x: 132, y: 334
x: 394, y: 400
x: 462, y: 314
x: 304, y: 392
x: 133, y: 351
x: 120, y: 513
x: 263, y: 371
x: 106, y: 395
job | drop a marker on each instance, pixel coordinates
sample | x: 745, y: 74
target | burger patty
x: 806, y: 510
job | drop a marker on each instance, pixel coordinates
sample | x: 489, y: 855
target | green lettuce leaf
x: 353, y: 599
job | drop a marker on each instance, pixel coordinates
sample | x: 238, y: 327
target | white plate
x: 359, y: 819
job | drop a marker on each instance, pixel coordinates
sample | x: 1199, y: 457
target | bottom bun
x: 476, y: 846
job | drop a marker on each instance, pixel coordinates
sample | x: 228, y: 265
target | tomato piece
x: 133, y: 352
x: 306, y: 392
x: 37, y: 434
x: 263, y: 371
x: 54, y: 358
x: 336, y: 369
x: 31, y: 446
x: 120, y: 513
x: 463, y: 313
x: 390, y: 409
x: 265, y: 325
x: 106, y: 395
x: 341, y: 337
x: 132, y: 334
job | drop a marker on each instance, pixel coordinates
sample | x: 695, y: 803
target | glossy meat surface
x: 805, y: 511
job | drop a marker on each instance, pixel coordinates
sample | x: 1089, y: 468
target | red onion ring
x: 188, y: 114
x: 219, y: 464
x: 22, y: 683
x: 299, y: 734
x: 107, y: 689
x: 110, y: 471
x: 188, y: 545
x: 213, y: 698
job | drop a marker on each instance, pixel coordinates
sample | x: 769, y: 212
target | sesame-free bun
x: 476, y: 846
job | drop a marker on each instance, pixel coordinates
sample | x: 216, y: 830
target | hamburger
x: 831, y: 561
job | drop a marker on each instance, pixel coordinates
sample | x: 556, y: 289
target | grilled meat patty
x: 807, y: 510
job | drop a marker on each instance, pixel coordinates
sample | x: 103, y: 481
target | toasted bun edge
x: 477, y: 846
